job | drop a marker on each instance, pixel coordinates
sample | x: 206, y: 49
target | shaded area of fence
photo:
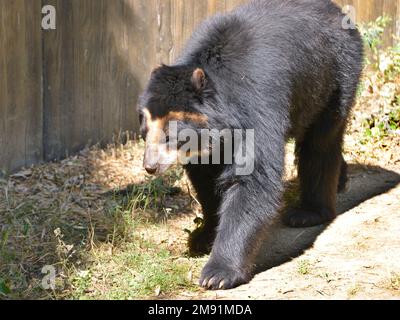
x: 63, y: 89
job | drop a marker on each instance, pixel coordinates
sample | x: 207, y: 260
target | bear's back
x: 265, y: 31
x: 279, y: 54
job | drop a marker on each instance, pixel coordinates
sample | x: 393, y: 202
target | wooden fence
x: 63, y: 89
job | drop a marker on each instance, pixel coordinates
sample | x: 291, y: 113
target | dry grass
x: 392, y: 282
x: 378, y: 98
x: 304, y: 267
x: 353, y: 291
x: 89, y: 216
x: 395, y: 281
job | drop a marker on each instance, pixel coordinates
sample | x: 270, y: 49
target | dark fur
x: 285, y: 68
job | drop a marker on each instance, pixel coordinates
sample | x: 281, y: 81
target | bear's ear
x: 157, y: 68
x: 199, y: 79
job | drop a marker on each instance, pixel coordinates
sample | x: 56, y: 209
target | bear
x: 286, y: 69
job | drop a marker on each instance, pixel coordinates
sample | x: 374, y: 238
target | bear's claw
x: 217, y: 277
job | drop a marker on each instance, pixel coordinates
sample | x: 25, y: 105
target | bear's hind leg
x: 322, y: 172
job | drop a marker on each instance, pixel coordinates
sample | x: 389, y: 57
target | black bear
x: 283, y: 68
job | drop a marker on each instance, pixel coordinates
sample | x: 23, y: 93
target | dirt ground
x: 356, y: 257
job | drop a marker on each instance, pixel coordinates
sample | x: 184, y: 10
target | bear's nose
x: 151, y: 170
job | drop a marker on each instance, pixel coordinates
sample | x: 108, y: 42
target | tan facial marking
x: 154, y: 127
x: 159, y: 124
x: 187, y: 116
x: 157, y: 154
x: 157, y: 157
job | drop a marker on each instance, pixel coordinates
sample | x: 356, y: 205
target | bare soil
x: 355, y: 257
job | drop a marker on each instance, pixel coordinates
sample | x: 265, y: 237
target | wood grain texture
x: 20, y: 83
x: 94, y: 65
x: 91, y: 85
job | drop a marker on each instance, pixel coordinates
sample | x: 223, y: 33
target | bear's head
x: 170, y: 116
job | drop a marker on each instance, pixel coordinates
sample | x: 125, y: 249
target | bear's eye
x: 141, y: 118
x: 143, y: 134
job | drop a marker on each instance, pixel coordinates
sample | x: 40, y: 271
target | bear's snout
x: 158, y: 159
x: 150, y: 162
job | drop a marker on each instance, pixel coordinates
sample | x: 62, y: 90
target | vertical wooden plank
x: 20, y: 83
x: 91, y: 85
x: 398, y: 21
x: 182, y: 18
x: 231, y: 4
x: 187, y: 15
x: 58, y: 91
x: 214, y: 6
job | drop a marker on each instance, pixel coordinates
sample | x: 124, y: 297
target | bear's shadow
x: 284, y: 243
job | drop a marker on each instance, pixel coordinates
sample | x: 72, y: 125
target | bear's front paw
x: 216, y: 276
